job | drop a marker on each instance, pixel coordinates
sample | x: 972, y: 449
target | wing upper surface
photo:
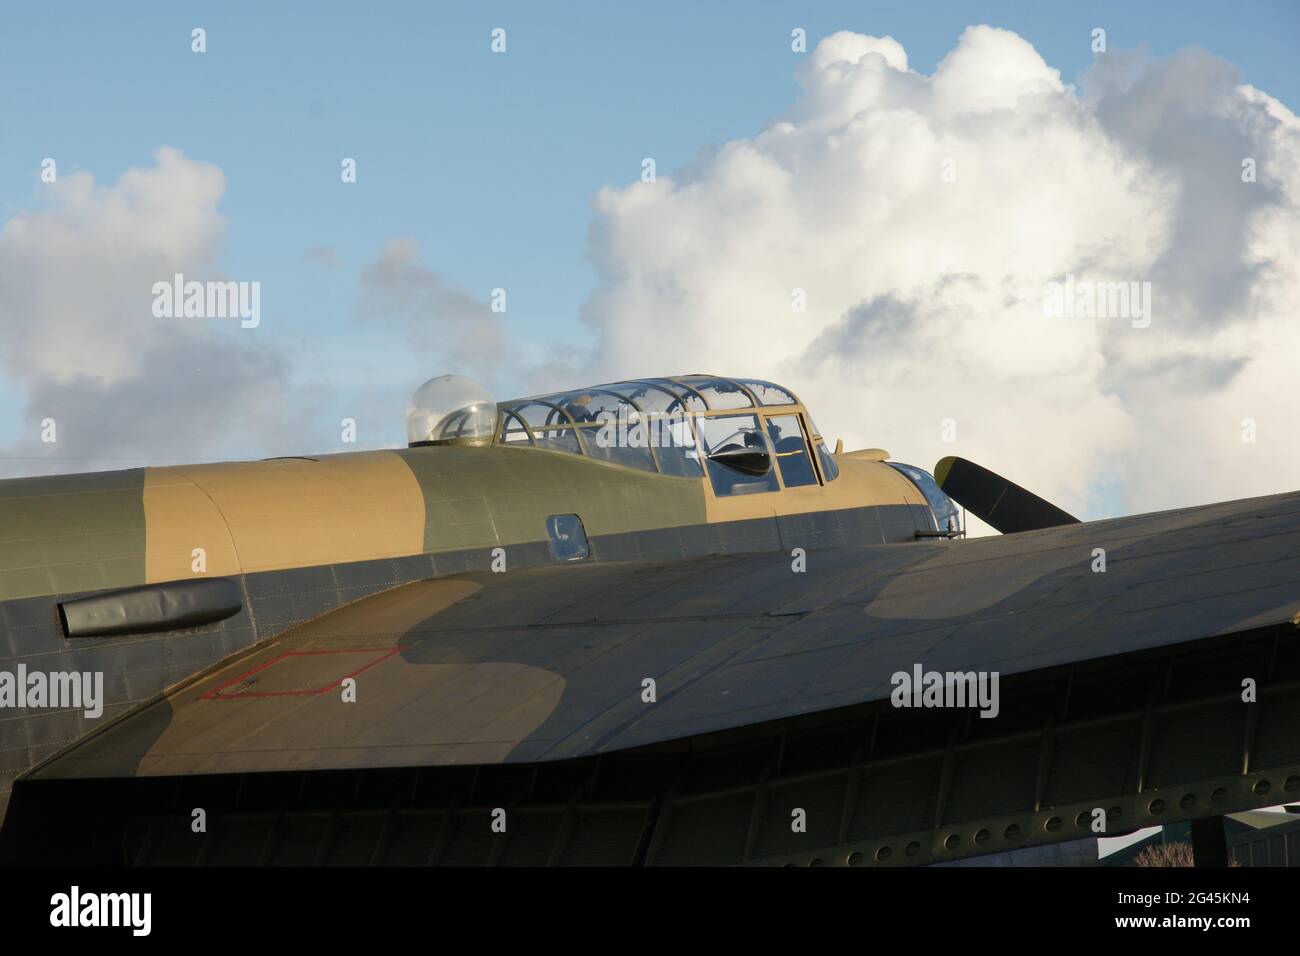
x: 550, y: 663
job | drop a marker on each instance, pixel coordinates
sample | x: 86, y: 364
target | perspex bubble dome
x: 451, y: 408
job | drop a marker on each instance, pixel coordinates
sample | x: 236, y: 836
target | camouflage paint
x: 78, y: 533
x: 304, y: 536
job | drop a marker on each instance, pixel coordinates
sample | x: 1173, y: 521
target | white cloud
x: 446, y: 324
x: 925, y: 297
x: 80, y: 339
x: 75, y: 277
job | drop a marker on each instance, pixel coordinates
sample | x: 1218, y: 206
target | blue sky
x: 490, y: 161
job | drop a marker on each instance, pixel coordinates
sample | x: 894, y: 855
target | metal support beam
x: 1144, y: 747
x: 850, y: 796
x: 567, y: 824
x: 386, y: 834
x: 662, y: 822
x: 946, y: 775
x: 758, y: 809
x: 1248, y: 741
x: 272, y: 841
x: 1045, y: 751
x: 445, y: 833
x: 328, y: 838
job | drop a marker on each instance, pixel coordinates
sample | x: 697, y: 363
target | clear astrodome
x: 450, y: 408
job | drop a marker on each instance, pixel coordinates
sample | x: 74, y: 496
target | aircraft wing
x: 552, y: 663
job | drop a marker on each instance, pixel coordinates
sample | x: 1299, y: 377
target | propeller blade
x: 995, y: 500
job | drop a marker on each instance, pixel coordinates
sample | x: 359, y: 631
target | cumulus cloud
x: 922, y: 216
x: 81, y: 341
x: 440, y: 319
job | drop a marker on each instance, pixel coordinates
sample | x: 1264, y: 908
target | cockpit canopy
x: 748, y: 435
x: 658, y: 396
x: 742, y: 431
x: 686, y: 393
x: 676, y: 425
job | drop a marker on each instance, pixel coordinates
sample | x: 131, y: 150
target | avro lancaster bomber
x: 652, y: 622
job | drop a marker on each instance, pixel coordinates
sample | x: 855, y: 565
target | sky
x: 920, y: 172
